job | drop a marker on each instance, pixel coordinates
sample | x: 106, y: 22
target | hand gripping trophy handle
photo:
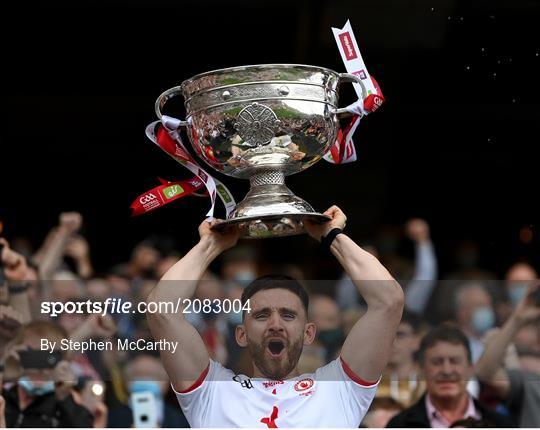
x: 263, y: 123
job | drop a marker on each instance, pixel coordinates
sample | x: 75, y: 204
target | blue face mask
x: 152, y: 386
x: 234, y: 318
x: 35, y: 390
x: 483, y: 319
x: 244, y: 277
x: 516, y: 293
x: 155, y: 388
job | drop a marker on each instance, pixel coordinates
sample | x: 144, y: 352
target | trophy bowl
x: 263, y: 123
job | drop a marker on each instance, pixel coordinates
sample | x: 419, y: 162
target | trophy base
x: 272, y: 225
x: 270, y: 209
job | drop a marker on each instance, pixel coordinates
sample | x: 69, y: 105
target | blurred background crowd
x: 493, y: 324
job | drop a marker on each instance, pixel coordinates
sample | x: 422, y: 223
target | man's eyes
x: 453, y: 360
x: 262, y: 315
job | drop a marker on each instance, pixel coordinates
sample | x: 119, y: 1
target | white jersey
x: 331, y: 397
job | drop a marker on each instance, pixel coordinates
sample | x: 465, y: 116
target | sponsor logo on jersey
x: 244, y: 382
x: 272, y: 383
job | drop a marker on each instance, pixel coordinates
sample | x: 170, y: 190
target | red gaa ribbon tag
x: 163, y: 194
x: 374, y: 101
x: 343, y: 151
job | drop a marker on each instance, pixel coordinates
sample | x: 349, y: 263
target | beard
x: 272, y: 368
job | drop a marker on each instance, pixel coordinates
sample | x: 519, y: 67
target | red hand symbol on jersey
x: 270, y: 422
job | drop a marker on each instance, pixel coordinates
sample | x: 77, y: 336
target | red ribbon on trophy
x: 166, y: 135
x: 343, y: 151
x: 163, y: 194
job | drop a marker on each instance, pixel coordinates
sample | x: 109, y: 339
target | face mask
x: 155, y: 388
x: 152, y: 386
x: 516, y: 293
x: 234, y: 318
x: 331, y: 339
x: 35, y: 390
x: 483, y: 319
x: 244, y: 277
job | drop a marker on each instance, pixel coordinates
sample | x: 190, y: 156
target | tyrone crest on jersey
x: 304, y: 384
x: 244, y: 382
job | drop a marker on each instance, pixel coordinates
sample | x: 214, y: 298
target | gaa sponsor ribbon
x: 343, y: 150
x: 166, y: 135
x: 163, y: 194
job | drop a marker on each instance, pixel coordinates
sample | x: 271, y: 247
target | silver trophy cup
x: 263, y: 123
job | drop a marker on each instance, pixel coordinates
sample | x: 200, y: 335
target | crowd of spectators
x: 466, y: 354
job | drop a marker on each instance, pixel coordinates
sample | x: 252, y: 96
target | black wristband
x: 327, y: 240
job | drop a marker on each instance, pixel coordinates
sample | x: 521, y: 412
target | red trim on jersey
x: 354, y: 376
x: 198, y: 382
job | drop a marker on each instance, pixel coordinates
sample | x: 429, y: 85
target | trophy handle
x: 163, y: 98
x: 348, y: 77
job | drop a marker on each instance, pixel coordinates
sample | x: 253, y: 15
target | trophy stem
x: 270, y: 209
x: 267, y: 177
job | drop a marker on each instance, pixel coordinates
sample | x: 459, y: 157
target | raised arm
x: 51, y: 257
x: 191, y: 357
x: 368, y: 345
x: 489, y: 368
x: 418, y: 291
x: 16, y: 273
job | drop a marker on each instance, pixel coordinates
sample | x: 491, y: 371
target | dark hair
x: 415, y: 321
x: 445, y: 332
x: 269, y: 282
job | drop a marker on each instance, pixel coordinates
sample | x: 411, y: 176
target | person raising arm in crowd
x: 520, y: 388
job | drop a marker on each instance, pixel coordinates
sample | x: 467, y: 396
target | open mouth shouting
x: 276, y: 348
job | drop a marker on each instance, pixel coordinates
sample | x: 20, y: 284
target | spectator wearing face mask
x: 239, y: 267
x: 474, y: 314
x: 145, y: 373
x: 517, y: 279
x: 41, y: 395
x: 519, y: 387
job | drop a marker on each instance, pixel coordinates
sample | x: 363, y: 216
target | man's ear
x: 310, y: 331
x: 241, y: 335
